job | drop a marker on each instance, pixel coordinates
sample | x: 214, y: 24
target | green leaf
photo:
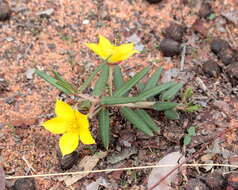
x: 161, y: 106
x: 156, y: 90
x: 212, y: 16
x: 91, y: 77
x: 52, y: 81
x: 141, y: 86
x: 153, y: 79
x: 119, y: 100
x: 118, y: 79
x: 129, y: 84
x: 84, y: 105
x: 186, y: 140
x: 136, y: 120
x: 148, y: 120
x: 188, y: 93
x: 170, y: 94
x: 191, y: 131
x: 63, y: 82
x: 192, y: 108
x: 102, y: 81
x: 104, y: 127
x: 171, y: 114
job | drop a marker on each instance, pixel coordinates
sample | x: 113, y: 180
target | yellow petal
x: 64, y: 111
x: 122, y: 52
x: 105, y: 43
x: 94, y: 47
x: 56, y: 125
x: 68, y: 143
x: 84, y: 132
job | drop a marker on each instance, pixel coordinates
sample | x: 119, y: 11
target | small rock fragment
x: 227, y: 56
x: 46, y: 13
x: 175, y: 32
x: 154, y: 1
x: 24, y: 184
x: 170, y: 47
x: 205, y: 10
x: 4, y: 86
x: 5, y: 11
x: 211, y: 68
x: 218, y: 45
x: 68, y: 161
x: 232, y: 72
x: 29, y: 73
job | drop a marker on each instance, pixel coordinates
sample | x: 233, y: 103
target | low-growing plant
x: 191, y: 131
x: 111, y: 90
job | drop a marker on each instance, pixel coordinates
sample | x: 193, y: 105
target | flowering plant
x: 75, y: 126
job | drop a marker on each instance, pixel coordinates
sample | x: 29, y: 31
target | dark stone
x: 24, y: 184
x: 218, y: 45
x: 232, y: 180
x: 227, y: 56
x: 215, y: 181
x: 175, y: 32
x: 170, y: 47
x: 154, y: 1
x: 211, y: 68
x: 5, y: 11
x: 232, y: 72
x: 68, y: 161
x: 51, y: 46
x: 205, y: 10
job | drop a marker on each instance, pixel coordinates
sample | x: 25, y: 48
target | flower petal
x: 122, y: 52
x: 84, y: 132
x: 56, y: 125
x: 64, y: 111
x: 68, y: 143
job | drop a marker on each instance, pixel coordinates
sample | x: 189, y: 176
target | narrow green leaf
x: 148, y: 120
x: 170, y: 94
x: 104, y: 127
x: 186, y: 140
x: 52, y: 81
x: 171, y: 114
x: 102, y: 81
x: 188, y: 93
x: 129, y: 84
x: 192, y: 108
x: 119, y: 100
x: 156, y: 90
x: 161, y: 106
x: 118, y: 79
x: 191, y: 131
x: 141, y: 86
x: 91, y: 77
x: 136, y: 120
x: 153, y: 79
x: 84, y: 105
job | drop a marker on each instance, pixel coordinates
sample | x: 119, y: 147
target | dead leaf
x: 87, y: 164
x: 99, y: 182
x: 158, y: 173
x: 2, y: 179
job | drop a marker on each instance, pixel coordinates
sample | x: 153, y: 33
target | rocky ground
x: 194, y: 41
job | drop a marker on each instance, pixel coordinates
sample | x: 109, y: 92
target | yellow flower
x: 110, y: 52
x: 72, y: 124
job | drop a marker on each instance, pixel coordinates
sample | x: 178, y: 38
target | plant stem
x: 111, y: 67
x: 145, y: 105
x: 90, y: 98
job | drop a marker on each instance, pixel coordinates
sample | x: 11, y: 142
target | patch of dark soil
x: 68, y: 161
x: 175, y: 32
x: 154, y: 1
x: 211, y: 68
x: 24, y: 184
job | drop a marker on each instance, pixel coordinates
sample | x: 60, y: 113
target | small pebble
x: 170, y: 47
x: 24, y: 184
x: 211, y: 68
x: 68, y: 161
x: 86, y: 21
x: 154, y: 1
x: 205, y: 10
x: 5, y: 11
x: 218, y: 45
x: 175, y: 32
